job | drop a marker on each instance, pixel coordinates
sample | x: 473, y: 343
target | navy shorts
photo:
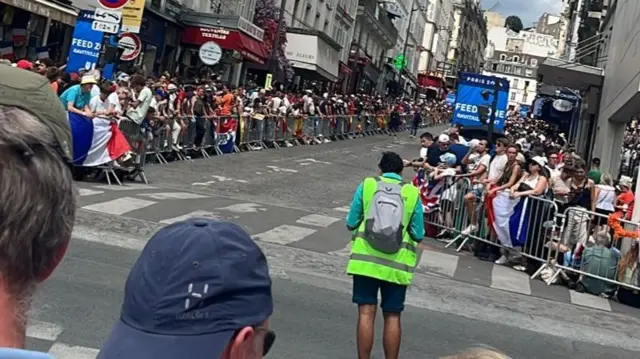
x: 365, y: 291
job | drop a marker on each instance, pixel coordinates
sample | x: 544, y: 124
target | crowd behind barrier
x: 220, y: 135
x: 556, y: 246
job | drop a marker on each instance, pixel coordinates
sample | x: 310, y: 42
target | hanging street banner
x: 132, y: 16
x: 86, y: 44
x: 474, y: 98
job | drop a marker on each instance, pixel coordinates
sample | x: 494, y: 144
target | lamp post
x: 406, y: 37
x: 273, y: 58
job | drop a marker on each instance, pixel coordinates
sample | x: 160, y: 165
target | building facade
x: 410, y: 18
x: 554, y: 25
x: 373, y: 36
x: 437, y: 34
x: 469, y: 37
x: 516, y: 56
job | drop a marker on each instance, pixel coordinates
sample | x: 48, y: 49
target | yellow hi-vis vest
x: 366, y: 261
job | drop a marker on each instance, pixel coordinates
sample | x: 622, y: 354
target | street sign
x: 210, y: 53
x: 131, y: 44
x: 113, y: 4
x: 112, y: 17
x: 107, y: 27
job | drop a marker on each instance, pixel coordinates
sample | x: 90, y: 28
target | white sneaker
x: 502, y: 260
x: 471, y: 229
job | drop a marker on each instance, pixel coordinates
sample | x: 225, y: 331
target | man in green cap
x: 37, y: 197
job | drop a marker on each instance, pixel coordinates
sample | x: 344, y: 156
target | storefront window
x: 149, y: 58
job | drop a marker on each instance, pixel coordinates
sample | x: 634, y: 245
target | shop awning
x: 51, y: 9
x: 228, y: 39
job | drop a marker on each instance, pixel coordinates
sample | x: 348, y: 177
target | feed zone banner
x: 469, y: 97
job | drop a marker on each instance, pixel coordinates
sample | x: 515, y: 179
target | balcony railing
x: 370, y: 8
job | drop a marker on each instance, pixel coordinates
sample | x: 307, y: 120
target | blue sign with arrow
x: 86, y: 44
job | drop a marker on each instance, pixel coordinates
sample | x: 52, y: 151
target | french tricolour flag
x: 6, y: 50
x: 96, y: 141
x: 511, y: 219
x: 19, y: 35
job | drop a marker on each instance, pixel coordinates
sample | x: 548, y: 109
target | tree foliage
x: 266, y: 17
x: 514, y: 23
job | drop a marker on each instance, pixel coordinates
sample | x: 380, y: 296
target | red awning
x: 344, y: 68
x: 249, y: 47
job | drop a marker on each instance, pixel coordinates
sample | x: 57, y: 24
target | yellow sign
x: 132, y: 16
x: 267, y: 82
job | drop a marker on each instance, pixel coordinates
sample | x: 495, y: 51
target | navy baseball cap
x: 194, y: 285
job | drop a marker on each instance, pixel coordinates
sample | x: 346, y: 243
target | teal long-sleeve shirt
x: 356, y: 212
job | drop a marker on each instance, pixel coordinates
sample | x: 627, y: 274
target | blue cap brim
x: 126, y: 342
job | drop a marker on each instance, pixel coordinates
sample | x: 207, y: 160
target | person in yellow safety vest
x: 386, y: 218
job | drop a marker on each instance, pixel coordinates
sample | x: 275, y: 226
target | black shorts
x: 365, y: 291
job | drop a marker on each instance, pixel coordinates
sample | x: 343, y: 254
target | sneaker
x: 471, y: 229
x: 502, y: 260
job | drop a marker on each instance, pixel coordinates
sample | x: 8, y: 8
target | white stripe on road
x: 43, y: 330
x: 65, y: 351
x: 88, y: 192
x: 344, y: 209
x: 172, y: 195
x: 284, y: 234
x: 589, y: 300
x: 317, y: 220
x: 120, y: 206
x: 194, y: 214
x: 510, y: 280
x: 438, y: 262
x: 344, y: 252
x: 109, y: 239
x: 126, y: 187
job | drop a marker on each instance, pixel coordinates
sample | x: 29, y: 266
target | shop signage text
x: 218, y: 34
x: 250, y: 29
x: 173, y: 8
x: 301, y: 56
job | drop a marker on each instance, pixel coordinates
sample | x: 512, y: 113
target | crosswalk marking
x: 510, y: 280
x: 88, y: 192
x: 43, y: 330
x: 194, y: 214
x: 172, y: 195
x: 317, y: 220
x: 589, y: 300
x: 344, y: 209
x: 65, y: 351
x: 244, y: 208
x: 284, y: 234
x: 119, y: 206
x: 127, y: 187
x: 344, y: 252
x: 438, y: 262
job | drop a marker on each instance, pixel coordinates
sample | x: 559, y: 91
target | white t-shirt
x: 115, y: 101
x: 423, y: 152
x: 496, y: 167
x: 144, y: 98
x: 96, y: 104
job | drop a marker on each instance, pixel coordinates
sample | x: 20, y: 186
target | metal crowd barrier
x: 208, y: 136
x: 548, y: 235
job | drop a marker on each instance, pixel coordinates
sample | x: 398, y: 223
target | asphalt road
x: 292, y: 201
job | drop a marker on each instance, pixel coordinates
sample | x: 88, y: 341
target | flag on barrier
x: 511, y: 219
x: 227, y: 135
x: 95, y: 141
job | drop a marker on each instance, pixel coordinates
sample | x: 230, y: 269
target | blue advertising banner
x: 450, y: 99
x: 474, y: 94
x: 524, y: 110
x: 86, y: 44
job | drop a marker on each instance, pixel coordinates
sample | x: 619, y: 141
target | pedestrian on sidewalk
x: 386, y: 217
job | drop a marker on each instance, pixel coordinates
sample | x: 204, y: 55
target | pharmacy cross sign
x: 399, y: 62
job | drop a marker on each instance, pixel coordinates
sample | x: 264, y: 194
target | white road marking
x: 218, y: 179
x: 127, y: 187
x: 108, y: 239
x: 278, y: 169
x: 43, y: 330
x: 344, y: 252
x: 589, y: 300
x: 510, y: 280
x: 344, y: 209
x: 172, y: 195
x: 284, y: 234
x: 244, y: 208
x: 120, y: 206
x: 317, y: 220
x: 65, y: 351
x: 88, y: 192
x: 195, y: 214
x: 438, y: 262
x: 307, y: 161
